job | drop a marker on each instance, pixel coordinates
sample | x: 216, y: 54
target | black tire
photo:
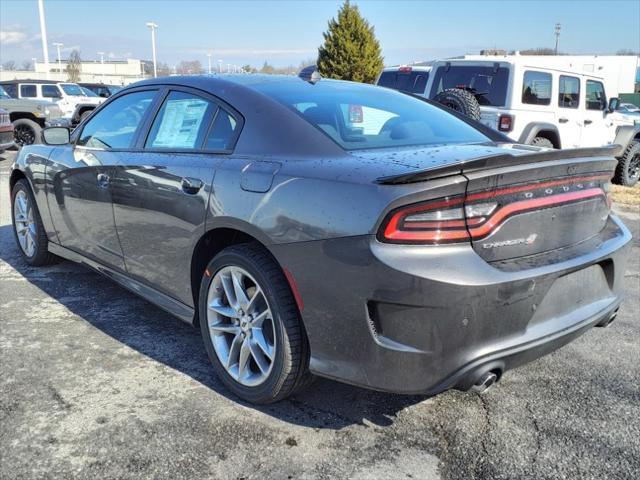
x: 290, y: 371
x: 26, y: 132
x: 41, y: 255
x: 628, y: 169
x: 542, y: 142
x: 461, y: 101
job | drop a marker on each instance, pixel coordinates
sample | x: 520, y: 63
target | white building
x: 119, y: 72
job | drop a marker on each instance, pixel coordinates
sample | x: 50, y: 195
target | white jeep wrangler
x: 539, y: 101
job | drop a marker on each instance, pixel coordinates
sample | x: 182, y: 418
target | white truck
x: 549, y: 101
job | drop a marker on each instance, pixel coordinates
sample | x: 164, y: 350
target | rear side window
x: 596, y: 99
x: 487, y: 84
x: 223, y: 132
x: 181, y: 123
x: 536, y: 88
x: 28, y: 91
x: 569, y: 92
x: 50, y: 91
x: 11, y: 89
x: 405, y: 81
x: 115, y: 126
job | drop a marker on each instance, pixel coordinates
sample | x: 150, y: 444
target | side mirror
x: 614, y: 103
x: 56, y: 135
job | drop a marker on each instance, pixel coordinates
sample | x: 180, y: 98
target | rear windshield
x: 488, y: 84
x: 409, y: 81
x: 72, y: 89
x: 358, y: 116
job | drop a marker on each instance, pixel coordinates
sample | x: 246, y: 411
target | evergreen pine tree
x: 350, y: 50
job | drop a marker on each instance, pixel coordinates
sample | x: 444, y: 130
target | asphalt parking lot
x: 97, y: 383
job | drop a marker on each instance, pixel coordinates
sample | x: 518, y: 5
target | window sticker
x: 181, y: 121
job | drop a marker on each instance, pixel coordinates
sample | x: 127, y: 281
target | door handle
x: 588, y: 122
x: 103, y: 180
x: 563, y: 120
x: 191, y: 185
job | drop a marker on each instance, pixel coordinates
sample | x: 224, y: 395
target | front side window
x: 362, y: 116
x: 596, y: 99
x: 569, y: 92
x: 28, y: 91
x: 536, y: 88
x: 487, y: 84
x: 116, y: 125
x: 50, y: 91
x: 181, y: 123
x: 3, y: 93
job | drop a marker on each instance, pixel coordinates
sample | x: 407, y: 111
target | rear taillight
x: 505, y: 123
x: 476, y: 215
x: 404, y: 70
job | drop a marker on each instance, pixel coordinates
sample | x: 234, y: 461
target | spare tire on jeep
x: 461, y: 101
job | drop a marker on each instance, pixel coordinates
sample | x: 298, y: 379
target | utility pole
x: 102, y: 63
x: 209, y: 59
x: 557, y: 34
x: 153, y: 27
x: 43, y: 34
x: 58, y: 47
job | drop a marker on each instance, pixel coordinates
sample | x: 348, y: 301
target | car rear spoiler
x: 500, y: 160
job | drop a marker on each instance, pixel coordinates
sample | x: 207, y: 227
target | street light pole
x: 153, y: 27
x: 58, y: 47
x: 557, y: 34
x: 43, y: 34
x: 209, y: 59
x: 102, y: 63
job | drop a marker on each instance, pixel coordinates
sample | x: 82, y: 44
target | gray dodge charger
x: 317, y: 227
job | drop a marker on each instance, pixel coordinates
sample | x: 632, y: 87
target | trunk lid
x: 524, y: 201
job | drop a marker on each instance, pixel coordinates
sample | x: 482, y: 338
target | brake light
x: 404, y: 69
x: 476, y: 215
x: 505, y: 123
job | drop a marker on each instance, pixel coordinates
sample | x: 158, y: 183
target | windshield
x: 72, y: 89
x: 358, y: 116
x: 488, y: 84
x: 3, y: 93
x: 87, y: 93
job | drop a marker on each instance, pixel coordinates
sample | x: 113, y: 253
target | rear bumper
x: 417, y: 319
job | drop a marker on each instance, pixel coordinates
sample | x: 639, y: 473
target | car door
x: 569, y: 114
x: 161, y: 191
x: 79, y: 174
x: 596, y: 124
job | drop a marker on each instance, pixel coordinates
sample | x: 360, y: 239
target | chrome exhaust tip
x: 608, y: 321
x: 485, y: 383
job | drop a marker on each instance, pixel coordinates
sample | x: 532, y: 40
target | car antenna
x: 310, y: 74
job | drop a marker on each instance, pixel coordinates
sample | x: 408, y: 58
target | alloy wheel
x: 241, y: 326
x: 24, y: 135
x: 24, y: 223
x: 634, y: 167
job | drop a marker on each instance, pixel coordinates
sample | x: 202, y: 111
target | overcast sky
x: 287, y: 32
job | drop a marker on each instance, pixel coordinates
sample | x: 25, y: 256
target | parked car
x: 29, y: 117
x: 409, y: 79
x: 431, y: 253
x: 6, y: 131
x: 68, y: 96
x: 102, y: 89
x: 532, y: 103
x: 629, y: 108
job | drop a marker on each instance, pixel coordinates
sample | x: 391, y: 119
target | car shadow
x: 158, y: 335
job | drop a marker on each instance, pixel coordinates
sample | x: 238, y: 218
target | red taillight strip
x: 532, y: 186
x: 532, y: 204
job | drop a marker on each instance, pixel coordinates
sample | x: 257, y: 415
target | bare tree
x: 9, y: 65
x: 27, y: 65
x: 74, y: 67
x: 163, y: 69
x: 626, y: 51
x: 189, y: 67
